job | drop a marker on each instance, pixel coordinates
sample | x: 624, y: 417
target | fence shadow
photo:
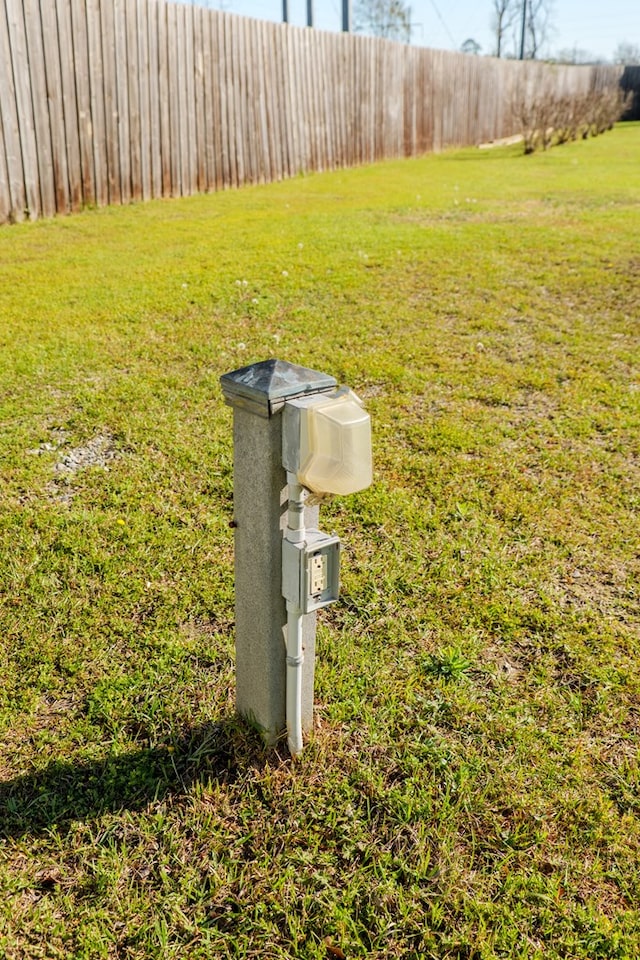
x: 67, y: 791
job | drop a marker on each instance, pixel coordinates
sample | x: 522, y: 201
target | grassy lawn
x: 472, y: 789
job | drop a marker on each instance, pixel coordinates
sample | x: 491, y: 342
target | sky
x: 596, y: 26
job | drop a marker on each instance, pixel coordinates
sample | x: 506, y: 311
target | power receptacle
x: 317, y: 574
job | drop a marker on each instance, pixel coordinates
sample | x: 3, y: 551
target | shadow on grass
x: 64, y: 792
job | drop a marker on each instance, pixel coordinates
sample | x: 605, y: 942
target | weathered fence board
x: 26, y: 124
x: 70, y: 139
x: 153, y: 152
x: 133, y: 97
x: 5, y: 195
x: 163, y: 100
x: 79, y: 27
x: 53, y: 80
x: 108, y: 43
x: 107, y: 101
x: 6, y: 83
x: 95, y: 79
x: 35, y: 55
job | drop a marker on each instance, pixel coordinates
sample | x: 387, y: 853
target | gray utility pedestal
x: 258, y: 394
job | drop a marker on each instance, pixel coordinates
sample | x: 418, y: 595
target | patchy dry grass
x: 472, y: 786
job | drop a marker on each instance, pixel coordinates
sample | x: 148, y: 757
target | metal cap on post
x: 258, y: 394
x: 264, y: 388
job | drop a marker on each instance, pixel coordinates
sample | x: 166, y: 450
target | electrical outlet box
x: 311, y: 571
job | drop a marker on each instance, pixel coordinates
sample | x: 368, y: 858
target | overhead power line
x: 440, y: 18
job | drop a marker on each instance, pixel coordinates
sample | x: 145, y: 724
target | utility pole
x: 524, y: 27
x: 309, y: 13
x: 285, y: 11
x: 346, y: 16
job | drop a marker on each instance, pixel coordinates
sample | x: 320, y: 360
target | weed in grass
x: 450, y: 664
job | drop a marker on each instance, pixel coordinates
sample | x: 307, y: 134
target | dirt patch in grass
x: 98, y: 452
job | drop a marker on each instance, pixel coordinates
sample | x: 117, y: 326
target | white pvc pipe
x: 295, y: 533
x: 295, y: 659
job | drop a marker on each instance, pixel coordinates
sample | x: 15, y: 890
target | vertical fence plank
x: 164, y: 99
x: 352, y: 100
x: 436, y: 93
x: 340, y: 99
x: 242, y: 120
x: 408, y: 101
x: 424, y: 106
x: 287, y: 127
x: 314, y: 87
x: 107, y: 16
x: 237, y: 116
x: 229, y: 176
x: 79, y: 34
x: 304, y: 99
x: 23, y: 101
x: 182, y: 145
x: 147, y: 147
x: 344, y: 100
x: 279, y: 100
x: 208, y: 143
x: 69, y: 102
x: 295, y: 98
x: 330, y: 111
x: 243, y: 105
x: 199, y: 47
x: 265, y: 170
x: 270, y: 54
x: 97, y: 101
x: 299, y: 89
x: 218, y: 40
x: 189, y: 128
x: 262, y: 159
x: 252, y: 101
x: 131, y: 70
x: 108, y: 37
x: 173, y: 85
x: 56, y: 110
x: 152, y: 94
x: 319, y: 80
x: 246, y: 90
x: 316, y: 83
x: 5, y: 192
x: 35, y: 46
x: 122, y: 98
x: 214, y: 106
x: 364, y: 100
x: 11, y: 132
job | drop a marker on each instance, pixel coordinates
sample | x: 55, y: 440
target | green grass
x: 472, y: 789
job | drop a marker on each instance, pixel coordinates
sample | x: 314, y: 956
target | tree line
x: 521, y: 29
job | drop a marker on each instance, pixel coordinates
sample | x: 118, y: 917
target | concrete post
x: 258, y: 394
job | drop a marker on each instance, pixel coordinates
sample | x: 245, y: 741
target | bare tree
x: 538, y: 26
x: 384, y: 18
x: 627, y: 54
x: 505, y: 13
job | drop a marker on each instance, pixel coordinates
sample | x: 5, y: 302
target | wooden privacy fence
x: 108, y: 101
